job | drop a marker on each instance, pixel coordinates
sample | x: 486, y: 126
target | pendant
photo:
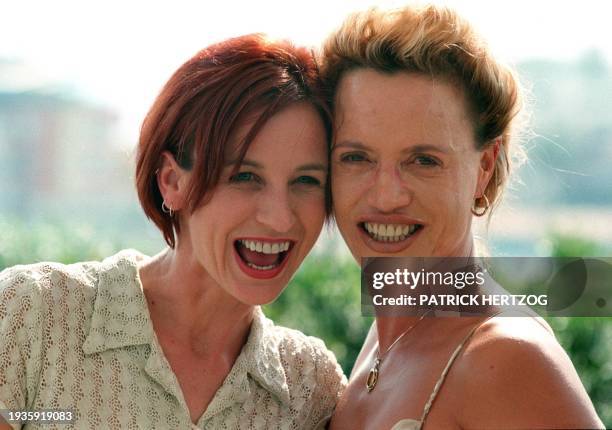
x: 373, y: 376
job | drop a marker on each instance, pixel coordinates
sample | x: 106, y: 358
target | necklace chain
x: 408, y: 330
x: 375, y: 370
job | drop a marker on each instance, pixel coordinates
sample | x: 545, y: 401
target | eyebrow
x: 425, y: 148
x: 245, y: 162
x: 312, y: 166
x: 350, y: 144
x: 417, y: 148
x: 256, y: 165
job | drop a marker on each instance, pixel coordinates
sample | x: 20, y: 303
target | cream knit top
x: 80, y: 337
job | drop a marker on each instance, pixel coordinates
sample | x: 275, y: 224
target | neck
x: 189, y: 310
x: 465, y: 248
x: 389, y: 328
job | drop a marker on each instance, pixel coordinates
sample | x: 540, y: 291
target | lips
x: 389, y: 235
x: 262, y: 258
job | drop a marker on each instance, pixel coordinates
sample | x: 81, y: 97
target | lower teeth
x: 388, y: 238
x: 255, y: 266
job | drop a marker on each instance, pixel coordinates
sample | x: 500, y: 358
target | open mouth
x: 262, y: 255
x: 389, y: 232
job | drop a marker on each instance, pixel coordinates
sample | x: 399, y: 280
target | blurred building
x: 56, y: 148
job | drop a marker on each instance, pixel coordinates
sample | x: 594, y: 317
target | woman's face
x: 261, y: 222
x: 405, y: 168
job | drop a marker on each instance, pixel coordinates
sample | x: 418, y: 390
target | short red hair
x: 206, y: 99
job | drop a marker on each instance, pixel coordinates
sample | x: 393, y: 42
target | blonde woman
x: 424, y: 118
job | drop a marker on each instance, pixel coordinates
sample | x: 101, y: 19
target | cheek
x: 447, y: 203
x: 218, y: 218
x: 204, y: 241
x: 343, y: 192
x: 446, y: 210
x: 451, y: 192
x: 340, y: 208
x: 469, y: 174
x: 312, y: 213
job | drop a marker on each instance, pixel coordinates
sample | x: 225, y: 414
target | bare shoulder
x: 513, y: 371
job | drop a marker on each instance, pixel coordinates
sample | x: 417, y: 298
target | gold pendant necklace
x: 372, y: 378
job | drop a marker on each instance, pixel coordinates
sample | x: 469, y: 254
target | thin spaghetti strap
x: 539, y: 321
x: 451, y: 360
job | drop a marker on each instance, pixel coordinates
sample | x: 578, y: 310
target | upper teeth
x: 390, y: 231
x: 266, y: 247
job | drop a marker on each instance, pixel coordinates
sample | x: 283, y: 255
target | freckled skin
x: 404, y: 150
x: 397, y: 118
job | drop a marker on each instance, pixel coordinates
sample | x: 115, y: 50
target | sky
x: 120, y: 53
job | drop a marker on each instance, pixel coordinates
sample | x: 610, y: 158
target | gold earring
x: 483, y: 210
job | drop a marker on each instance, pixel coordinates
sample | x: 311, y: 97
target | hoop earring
x: 166, y: 209
x: 484, y: 210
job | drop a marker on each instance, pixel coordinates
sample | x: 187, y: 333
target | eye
x: 426, y: 160
x: 307, y: 180
x: 241, y: 177
x: 353, y: 157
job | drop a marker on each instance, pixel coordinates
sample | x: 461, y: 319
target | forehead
x: 296, y: 130
x: 373, y: 106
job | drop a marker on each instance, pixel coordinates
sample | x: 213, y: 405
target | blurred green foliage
x: 22, y: 243
x: 588, y: 341
x: 323, y: 298
x: 573, y: 246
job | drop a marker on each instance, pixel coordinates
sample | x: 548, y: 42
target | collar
x: 121, y: 318
x: 262, y: 352
x: 261, y: 360
x: 120, y: 315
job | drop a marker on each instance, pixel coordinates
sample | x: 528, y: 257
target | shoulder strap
x: 451, y: 360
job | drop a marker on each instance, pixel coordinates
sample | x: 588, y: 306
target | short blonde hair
x: 435, y: 41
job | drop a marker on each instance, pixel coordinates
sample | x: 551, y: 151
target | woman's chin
x: 255, y: 286
x: 257, y: 294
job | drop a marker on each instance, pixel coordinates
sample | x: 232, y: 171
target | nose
x: 275, y: 211
x: 388, y: 191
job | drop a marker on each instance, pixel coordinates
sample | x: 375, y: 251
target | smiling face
x: 260, y: 222
x: 405, y: 168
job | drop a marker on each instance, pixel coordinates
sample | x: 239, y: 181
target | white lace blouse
x: 80, y: 337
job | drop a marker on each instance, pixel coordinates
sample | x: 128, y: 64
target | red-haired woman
x: 232, y: 167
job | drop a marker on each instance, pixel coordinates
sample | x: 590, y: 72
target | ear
x: 172, y: 181
x: 488, y: 160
